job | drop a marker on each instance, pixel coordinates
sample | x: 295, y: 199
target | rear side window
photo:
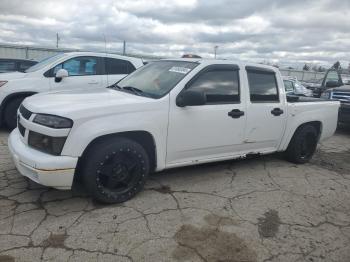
x: 118, y: 66
x: 221, y: 86
x: 262, y: 86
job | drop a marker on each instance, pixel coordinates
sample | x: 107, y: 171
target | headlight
x: 326, y: 95
x: 2, y: 83
x: 53, y: 121
x: 46, y: 144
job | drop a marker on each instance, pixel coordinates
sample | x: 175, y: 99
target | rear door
x: 83, y: 72
x: 266, y: 110
x: 211, y: 131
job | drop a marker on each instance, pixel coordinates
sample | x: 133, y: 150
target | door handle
x: 235, y: 113
x: 277, y: 111
x: 93, y: 83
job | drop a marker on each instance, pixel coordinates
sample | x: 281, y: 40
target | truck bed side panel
x: 302, y: 112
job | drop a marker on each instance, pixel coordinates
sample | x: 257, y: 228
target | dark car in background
x: 341, y: 94
x: 331, y: 79
x: 338, y: 89
x: 13, y: 65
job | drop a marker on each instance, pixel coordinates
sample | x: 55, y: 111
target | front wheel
x: 115, y: 170
x: 303, y: 145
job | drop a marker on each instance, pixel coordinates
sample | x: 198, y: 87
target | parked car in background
x: 341, y: 94
x: 12, y: 65
x: 346, y: 80
x: 312, y: 84
x: 167, y: 114
x: 61, y: 72
x: 294, y: 87
x: 331, y: 79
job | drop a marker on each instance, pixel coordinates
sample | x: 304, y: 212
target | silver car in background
x: 294, y: 87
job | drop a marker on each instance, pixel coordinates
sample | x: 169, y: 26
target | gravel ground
x: 260, y: 209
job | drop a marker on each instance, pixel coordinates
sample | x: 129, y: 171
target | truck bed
x: 302, y: 110
x: 296, y: 99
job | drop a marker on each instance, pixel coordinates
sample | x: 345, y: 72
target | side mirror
x: 191, y: 98
x: 331, y: 84
x: 61, y: 73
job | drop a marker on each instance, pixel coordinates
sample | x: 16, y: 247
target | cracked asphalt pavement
x: 259, y: 209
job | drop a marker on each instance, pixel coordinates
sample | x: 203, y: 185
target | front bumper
x: 344, y: 113
x: 44, y: 169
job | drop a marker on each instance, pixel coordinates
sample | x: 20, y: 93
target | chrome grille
x: 21, y: 129
x: 25, y: 112
x: 341, y: 96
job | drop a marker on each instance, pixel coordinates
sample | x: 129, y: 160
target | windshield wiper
x: 129, y: 89
x: 133, y: 89
x: 114, y: 86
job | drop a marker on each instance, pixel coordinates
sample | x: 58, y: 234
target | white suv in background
x: 63, y: 71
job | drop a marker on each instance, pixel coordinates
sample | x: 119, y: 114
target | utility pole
x: 105, y: 40
x: 57, y: 39
x: 124, y: 47
x: 215, y: 50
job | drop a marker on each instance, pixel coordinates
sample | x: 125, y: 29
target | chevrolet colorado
x: 167, y: 114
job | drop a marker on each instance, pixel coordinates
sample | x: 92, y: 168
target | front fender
x: 85, y: 131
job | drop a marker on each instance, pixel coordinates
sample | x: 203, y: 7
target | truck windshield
x: 43, y: 63
x: 157, y: 78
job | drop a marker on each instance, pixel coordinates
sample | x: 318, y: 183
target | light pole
x: 215, y: 50
x: 57, y: 40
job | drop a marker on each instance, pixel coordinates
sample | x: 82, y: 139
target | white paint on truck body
x: 182, y: 135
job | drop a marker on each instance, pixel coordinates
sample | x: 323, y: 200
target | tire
x: 10, y: 112
x: 303, y: 145
x: 115, y: 170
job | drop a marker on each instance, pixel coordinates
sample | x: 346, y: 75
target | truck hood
x: 81, y: 103
x: 345, y: 88
x: 12, y: 75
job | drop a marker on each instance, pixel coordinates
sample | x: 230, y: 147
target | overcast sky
x: 256, y: 30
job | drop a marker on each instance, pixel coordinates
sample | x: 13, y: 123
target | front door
x: 266, y: 111
x: 83, y: 72
x: 211, y: 131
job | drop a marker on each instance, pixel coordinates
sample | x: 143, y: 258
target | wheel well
x: 10, y: 97
x: 316, y: 124
x: 144, y: 138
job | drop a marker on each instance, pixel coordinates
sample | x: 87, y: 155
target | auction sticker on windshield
x: 178, y: 69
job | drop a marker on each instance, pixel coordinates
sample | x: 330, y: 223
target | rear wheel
x: 115, y: 170
x: 303, y: 145
x: 10, y: 113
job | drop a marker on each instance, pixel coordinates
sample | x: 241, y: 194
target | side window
x: 78, y: 66
x: 288, y: 85
x: 25, y: 65
x: 220, y: 86
x: 118, y: 66
x: 7, y: 66
x: 262, y: 86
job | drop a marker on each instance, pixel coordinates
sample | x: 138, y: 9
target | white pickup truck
x: 167, y: 114
x: 63, y: 71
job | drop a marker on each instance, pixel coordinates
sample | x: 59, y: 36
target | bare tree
x: 306, y: 67
x: 337, y: 65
